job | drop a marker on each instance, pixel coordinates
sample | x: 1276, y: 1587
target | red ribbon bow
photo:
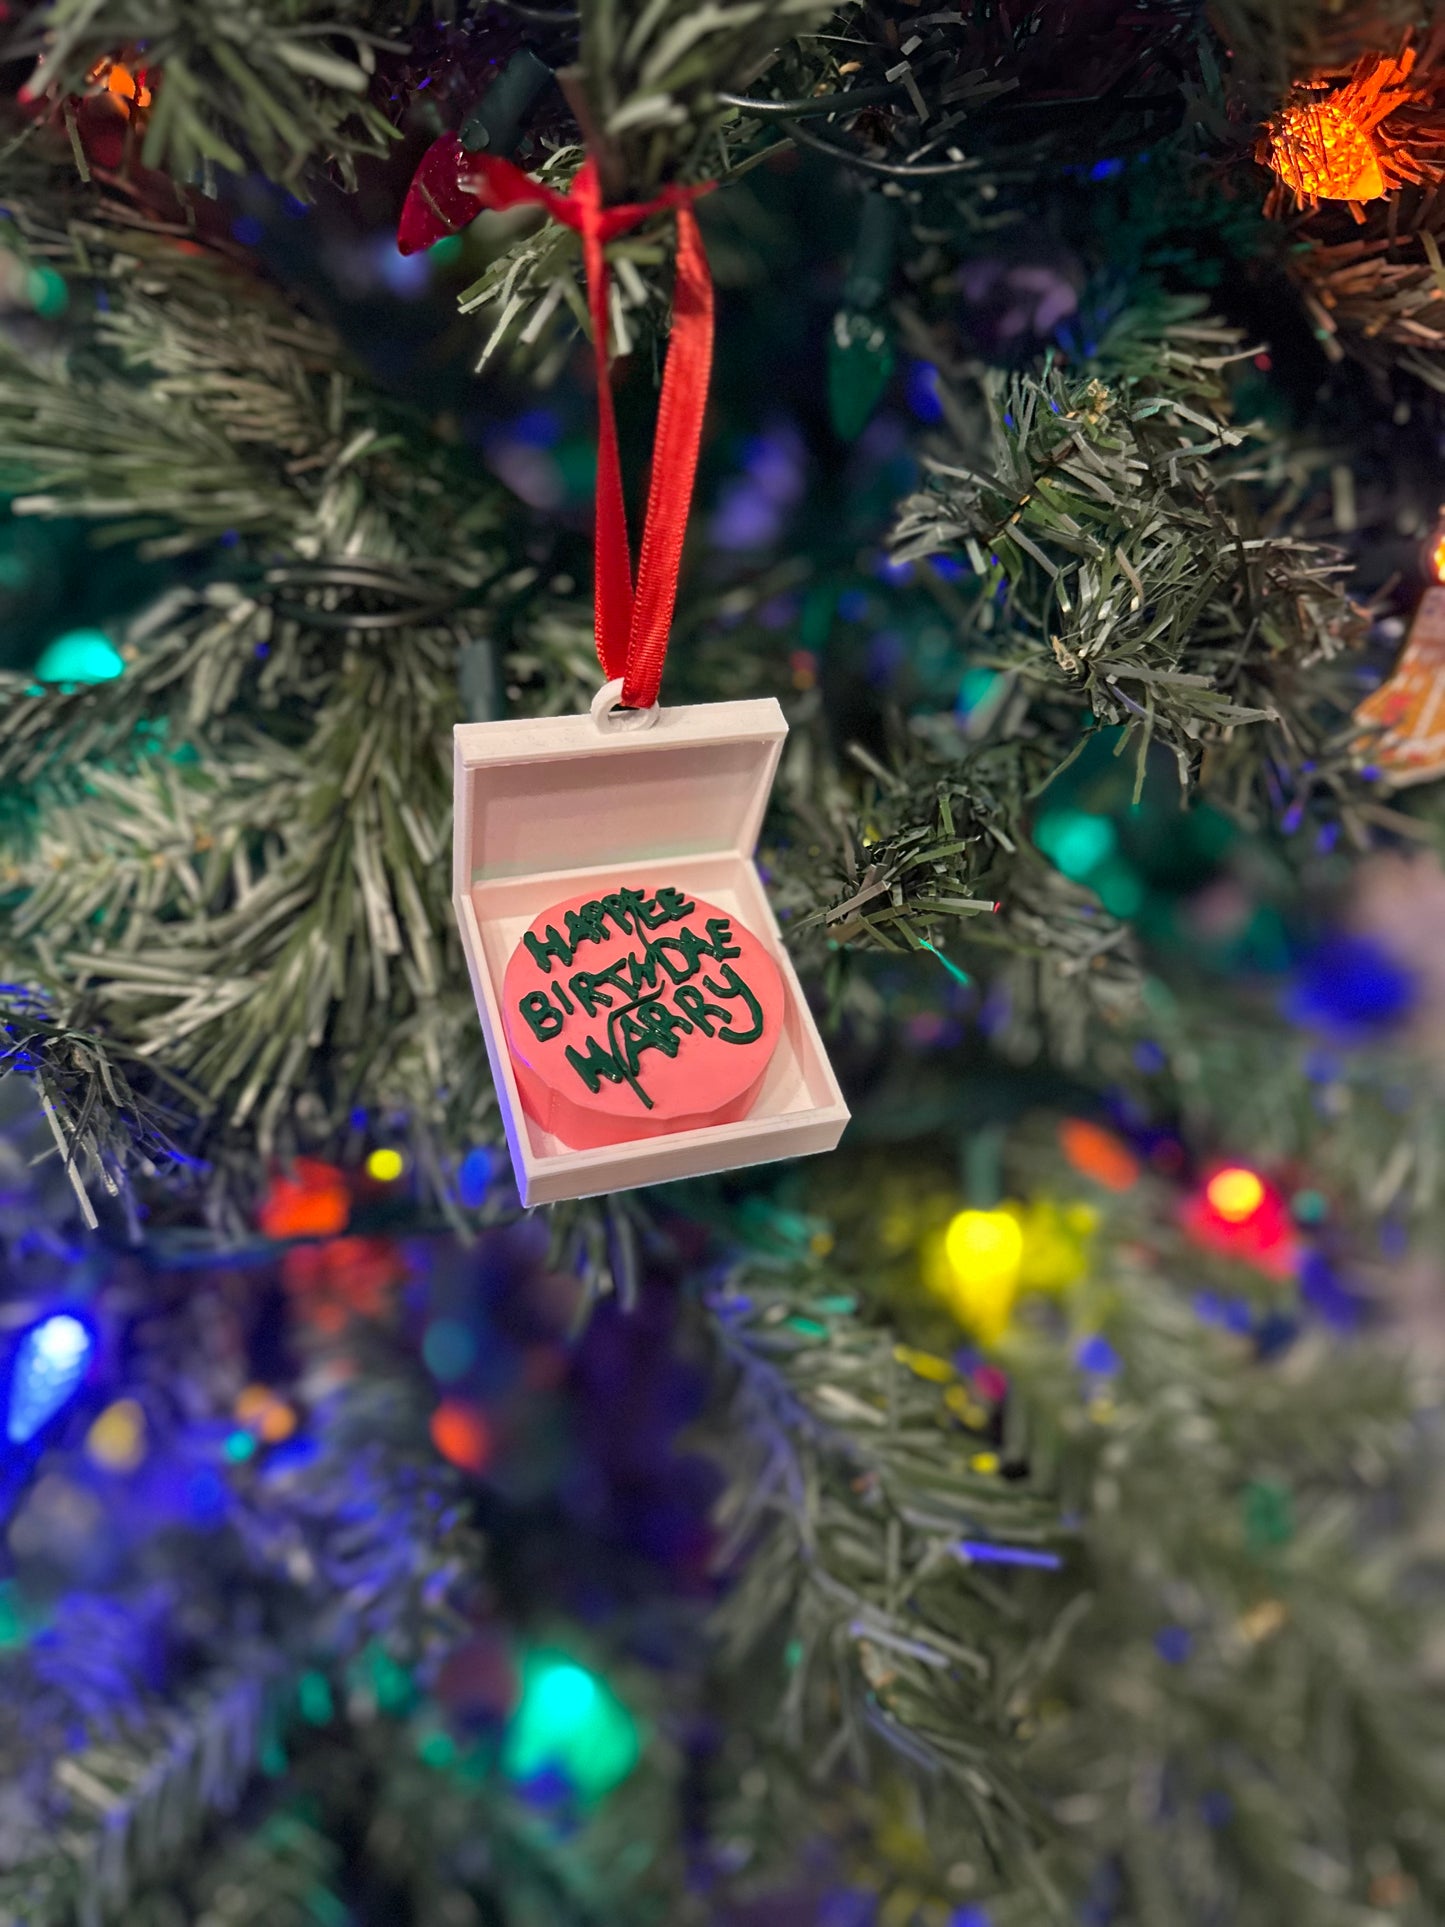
x: 632, y: 624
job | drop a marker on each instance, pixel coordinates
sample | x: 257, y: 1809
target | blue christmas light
x: 474, y: 1177
x: 921, y: 387
x: 1174, y: 1644
x: 1097, y: 1355
x: 50, y: 1363
x: 979, y: 1552
x: 1350, y: 988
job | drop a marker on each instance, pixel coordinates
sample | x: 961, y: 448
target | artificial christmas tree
x: 1026, y: 1507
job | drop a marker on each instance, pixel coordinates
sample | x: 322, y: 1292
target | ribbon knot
x: 632, y: 623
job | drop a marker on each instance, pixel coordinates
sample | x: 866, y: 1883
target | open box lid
x: 558, y: 793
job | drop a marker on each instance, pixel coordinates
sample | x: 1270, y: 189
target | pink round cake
x: 638, y: 1013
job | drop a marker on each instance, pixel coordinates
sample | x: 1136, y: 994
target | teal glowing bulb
x: 568, y: 1721
x: 80, y: 656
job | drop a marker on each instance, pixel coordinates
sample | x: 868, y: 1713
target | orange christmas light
x: 125, y: 88
x: 1098, y: 1154
x: 1331, y: 143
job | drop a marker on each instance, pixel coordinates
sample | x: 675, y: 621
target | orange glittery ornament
x: 1331, y: 145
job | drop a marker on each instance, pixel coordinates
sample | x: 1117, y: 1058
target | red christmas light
x: 436, y: 203
x: 312, y: 1200
x: 1240, y: 1214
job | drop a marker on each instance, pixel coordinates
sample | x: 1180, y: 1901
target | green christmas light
x: 314, y: 1699
x: 47, y: 291
x: 570, y: 1722
x: 14, y: 1621
x: 80, y: 656
x: 1076, y: 842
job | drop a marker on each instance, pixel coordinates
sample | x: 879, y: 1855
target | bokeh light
x: 50, y: 1363
x: 80, y: 656
x: 1097, y: 1153
x: 462, y: 1435
x: 569, y: 1721
x: 117, y: 1440
x: 1235, y: 1194
x: 982, y: 1257
x: 265, y: 1414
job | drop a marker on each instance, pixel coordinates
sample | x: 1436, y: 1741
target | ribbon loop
x: 632, y: 623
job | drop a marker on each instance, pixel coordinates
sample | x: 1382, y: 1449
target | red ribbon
x: 632, y: 625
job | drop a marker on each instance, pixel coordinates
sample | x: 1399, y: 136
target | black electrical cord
x: 891, y: 170
x: 811, y: 104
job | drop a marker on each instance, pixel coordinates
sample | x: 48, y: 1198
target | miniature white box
x: 549, y: 809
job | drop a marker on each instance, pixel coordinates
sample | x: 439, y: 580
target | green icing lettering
x: 544, y: 948
x: 599, y: 1063
x: 545, y: 1021
x: 648, y: 994
x: 735, y: 987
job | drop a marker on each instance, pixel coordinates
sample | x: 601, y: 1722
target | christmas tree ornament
x: 438, y: 203
x: 1355, y: 141
x: 1405, y: 715
x: 668, y: 1022
x: 860, y: 342
x: 642, y: 1019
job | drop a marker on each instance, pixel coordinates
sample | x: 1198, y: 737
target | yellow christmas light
x: 117, y: 1439
x: 982, y: 1256
x: 385, y: 1165
x: 983, y: 1261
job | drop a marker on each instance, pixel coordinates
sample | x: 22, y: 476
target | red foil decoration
x: 436, y: 204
